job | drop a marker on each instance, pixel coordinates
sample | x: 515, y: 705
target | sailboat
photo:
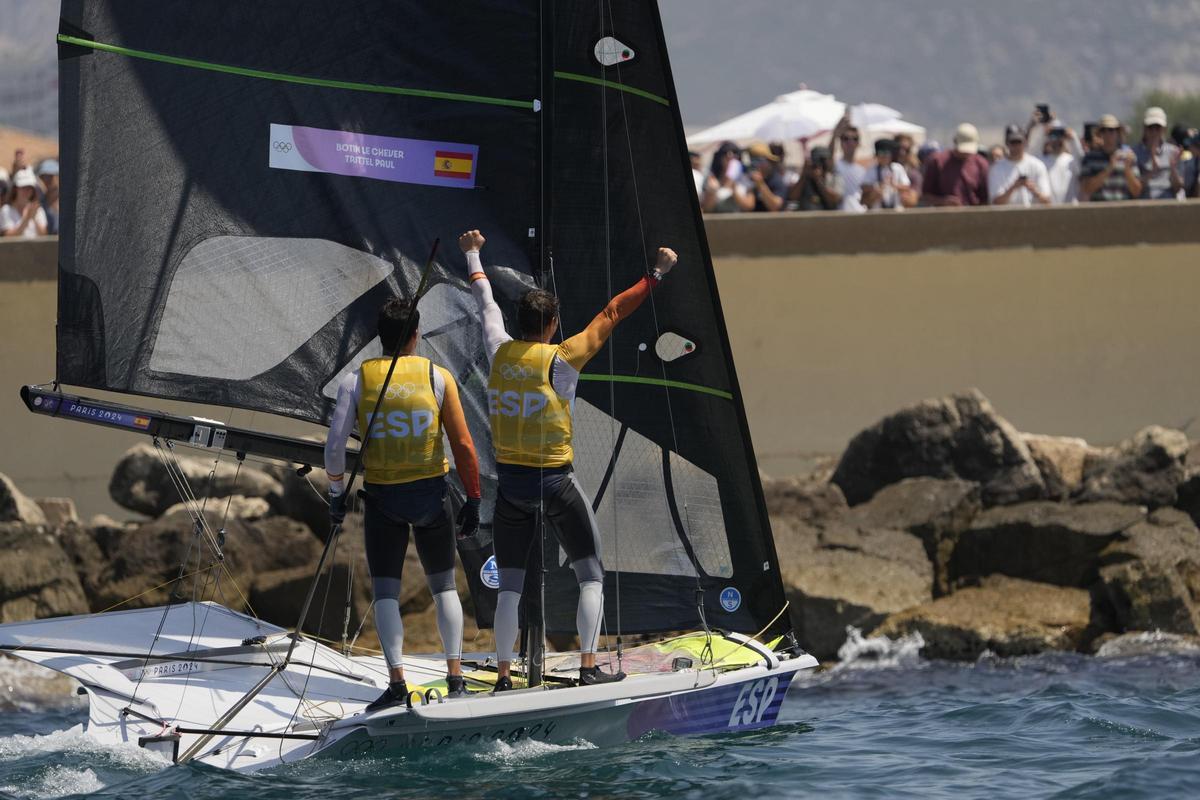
x: 244, y: 185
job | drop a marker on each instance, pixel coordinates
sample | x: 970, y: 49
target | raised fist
x: 666, y: 260
x: 471, y: 240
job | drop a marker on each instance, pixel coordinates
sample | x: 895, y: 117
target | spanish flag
x: 452, y: 165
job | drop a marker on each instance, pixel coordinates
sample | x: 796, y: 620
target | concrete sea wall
x: 1074, y: 321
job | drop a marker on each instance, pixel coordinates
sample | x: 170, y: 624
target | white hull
x: 194, y: 680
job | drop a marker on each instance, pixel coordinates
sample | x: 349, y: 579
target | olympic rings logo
x: 516, y: 372
x: 282, y: 147
x: 399, y: 391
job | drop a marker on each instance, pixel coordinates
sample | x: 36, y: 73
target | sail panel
x: 170, y: 160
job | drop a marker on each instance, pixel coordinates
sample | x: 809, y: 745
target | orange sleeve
x: 579, y: 349
x: 463, y: 447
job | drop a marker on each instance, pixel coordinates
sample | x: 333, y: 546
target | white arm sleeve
x: 494, y: 334
x: 342, y: 424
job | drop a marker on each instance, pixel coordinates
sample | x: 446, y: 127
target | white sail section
x: 239, y: 305
x: 638, y: 529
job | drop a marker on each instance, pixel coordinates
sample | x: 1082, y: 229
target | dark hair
x: 397, y: 317
x: 536, y: 309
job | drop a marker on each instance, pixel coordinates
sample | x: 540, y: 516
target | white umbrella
x: 793, y: 115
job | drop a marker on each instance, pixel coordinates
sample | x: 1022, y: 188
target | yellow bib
x: 531, y: 424
x: 406, y: 434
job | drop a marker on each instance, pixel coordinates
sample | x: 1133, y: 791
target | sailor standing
x: 531, y: 390
x: 405, y: 482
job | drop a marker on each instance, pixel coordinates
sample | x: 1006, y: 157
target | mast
x: 535, y: 583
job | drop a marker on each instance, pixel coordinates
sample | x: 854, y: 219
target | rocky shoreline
x: 940, y: 520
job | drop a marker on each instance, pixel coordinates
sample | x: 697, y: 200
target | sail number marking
x: 753, y: 701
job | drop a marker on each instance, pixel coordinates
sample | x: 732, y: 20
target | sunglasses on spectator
x: 1016, y: 141
x: 849, y: 138
x: 1109, y: 130
x: 1154, y: 126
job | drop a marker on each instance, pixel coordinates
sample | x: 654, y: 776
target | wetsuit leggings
x: 391, y: 510
x: 524, y: 493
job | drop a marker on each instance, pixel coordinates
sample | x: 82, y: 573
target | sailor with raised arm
x: 405, y: 483
x: 530, y: 392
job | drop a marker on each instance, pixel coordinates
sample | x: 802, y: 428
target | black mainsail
x: 282, y: 170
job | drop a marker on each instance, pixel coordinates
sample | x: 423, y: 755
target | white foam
x: 75, y: 742
x: 879, y: 652
x: 527, y: 750
x: 1146, y: 643
x: 57, y: 782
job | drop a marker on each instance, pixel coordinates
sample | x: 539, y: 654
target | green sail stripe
x: 691, y: 387
x: 575, y: 76
x: 527, y: 105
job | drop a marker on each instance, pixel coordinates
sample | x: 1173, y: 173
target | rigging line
x: 692, y: 387
x: 246, y: 72
x: 756, y: 636
x: 612, y: 394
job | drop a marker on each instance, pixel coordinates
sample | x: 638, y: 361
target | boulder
x: 934, y: 510
x: 1006, y: 616
x: 1061, y: 461
x: 141, y: 483
x: 16, y: 507
x: 1145, y: 470
x: 1188, y: 494
x: 303, y: 497
x: 799, y: 498
x: 1147, y: 643
x: 833, y: 588
x: 1151, y: 574
x: 278, y: 595
x: 58, y: 510
x: 1041, y: 541
x: 146, y: 557
x: 233, y: 507
x: 959, y: 436
x: 37, y: 578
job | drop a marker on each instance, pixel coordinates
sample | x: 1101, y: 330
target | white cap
x: 1155, y: 116
x: 966, y: 138
x: 25, y: 177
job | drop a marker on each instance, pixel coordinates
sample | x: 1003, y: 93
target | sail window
x: 239, y: 305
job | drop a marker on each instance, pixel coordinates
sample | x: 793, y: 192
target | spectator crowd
x: 1043, y: 162
x: 30, y: 198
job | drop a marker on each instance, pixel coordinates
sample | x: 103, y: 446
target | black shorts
x: 391, y: 509
x: 568, y: 513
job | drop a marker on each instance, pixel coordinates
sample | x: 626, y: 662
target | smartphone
x: 1043, y: 110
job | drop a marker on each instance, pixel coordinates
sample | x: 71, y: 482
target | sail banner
x: 385, y: 158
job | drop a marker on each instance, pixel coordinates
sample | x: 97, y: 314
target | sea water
x: 884, y: 723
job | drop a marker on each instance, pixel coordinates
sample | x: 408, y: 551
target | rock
x: 1188, y: 494
x: 1061, y: 461
x: 1147, y: 643
x: 277, y: 596
x: 831, y: 589
x: 934, y: 510
x: 1006, y: 616
x: 141, y: 483
x: 58, y: 510
x: 1151, y: 575
x: 896, y: 546
x: 1145, y: 470
x: 37, y: 578
x: 16, y: 507
x: 148, y: 557
x: 235, y: 507
x: 806, y: 500
x: 1041, y: 541
x: 959, y: 436
x: 303, y: 497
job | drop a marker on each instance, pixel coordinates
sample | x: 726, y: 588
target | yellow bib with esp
x: 531, y: 424
x: 406, y: 433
